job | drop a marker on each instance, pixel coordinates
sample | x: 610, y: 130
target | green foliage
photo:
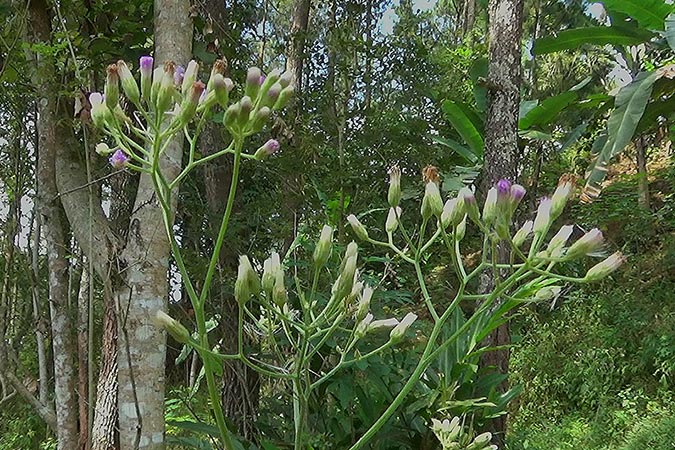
x: 22, y: 428
x: 650, y: 14
x: 630, y: 105
x: 575, y: 38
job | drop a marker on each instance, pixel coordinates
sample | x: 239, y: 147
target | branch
x: 44, y: 411
x: 92, y: 231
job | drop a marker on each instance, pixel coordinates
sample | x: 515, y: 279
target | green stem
x: 425, y: 291
x: 429, y: 355
x: 226, y: 220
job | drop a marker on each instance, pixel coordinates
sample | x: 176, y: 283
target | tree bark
x: 83, y: 356
x: 501, y: 139
x: 55, y: 229
x: 142, y: 346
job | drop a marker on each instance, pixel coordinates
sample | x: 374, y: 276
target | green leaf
x: 573, y: 136
x: 575, y: 38
x: 477, y: 71
x: 670, y: 30
x: 663, y: 107
x: 464, y: 126
x: 630, y: 102
x: 650, y: 14
x: 547, y: 110
x: 457, y: 147
x: 195, y: 427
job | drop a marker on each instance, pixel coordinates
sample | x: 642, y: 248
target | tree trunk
x: 643, y: 181
x: 142, y: 346
x: 54, y: 225
x: 501, y: 139
x: 103, y: 433
x: 83, y: 356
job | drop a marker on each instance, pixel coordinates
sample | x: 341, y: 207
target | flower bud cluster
x: 175, y: 92
x: 451, y: 436
x: 262, y: 95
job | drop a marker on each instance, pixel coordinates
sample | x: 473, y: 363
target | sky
x: 389, y: 17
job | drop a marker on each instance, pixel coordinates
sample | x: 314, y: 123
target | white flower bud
x: 358, y: 228
x: 490, y: 207
x: 324, y: 247
x: 604, y: 268
x: 399, y: 330
x: 175, y: 328
x: 392, y: 219
x: 364, y: 303
x: 432, y: 203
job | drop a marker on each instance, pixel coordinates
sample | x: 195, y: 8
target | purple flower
x: 271, y: 146
x: 118, y: 159
x: 146, y: 76
x: 503, y: 186
x: 517, y: 192
x: 146, y: 64
x: 266, y: 149
x: 178, y: 76
x: 262, y: 80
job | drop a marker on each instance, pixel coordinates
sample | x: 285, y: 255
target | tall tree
x: 501, y: 131
x: 55, y: 228
x: 142, y: 346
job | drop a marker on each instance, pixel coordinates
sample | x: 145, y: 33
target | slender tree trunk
x: 643, y: 181
x: 468, y: 16
x: 38, y: 316
x: 142, y: 346
x: 54, y: 224
x: 295, y: 55
x: 501, y: 138
x: 103, y: 433
x: 83, y: 356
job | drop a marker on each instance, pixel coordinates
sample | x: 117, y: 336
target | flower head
x: 392, y: 219
x: 543, y: 218
x: 469, y: 203
x: 175, y: 328
x: 503, y: 187
x: 145, y: 67
x: 118, y: 159
x: 111, y: 89
x: 268, y: 148
x: 399, y: 330
x: 323, y: 248
x: 247, y: 283
x: 561, y: 195
x: 178, y: 76
x: 490, y: 207
x: 522, y: 234
x: 128, y: 82
x: 358, y: 228
x: 588, y: 243
x: 432, y: 203
x: 604, y: 268
x: 394, y: 194
x: 253, y: 82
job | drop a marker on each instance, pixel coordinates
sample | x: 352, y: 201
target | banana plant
x: 638, y: 105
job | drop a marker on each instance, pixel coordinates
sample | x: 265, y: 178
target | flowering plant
x: 291, y: 316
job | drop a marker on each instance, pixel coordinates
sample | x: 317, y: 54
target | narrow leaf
x: 630, y: 106
x: 573, y: 136
x: 547, y: 110
x: 457, y: 147
x: 464, y: 126
x: 575, y: 38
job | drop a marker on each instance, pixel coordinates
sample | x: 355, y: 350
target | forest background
x: 377, y: 83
